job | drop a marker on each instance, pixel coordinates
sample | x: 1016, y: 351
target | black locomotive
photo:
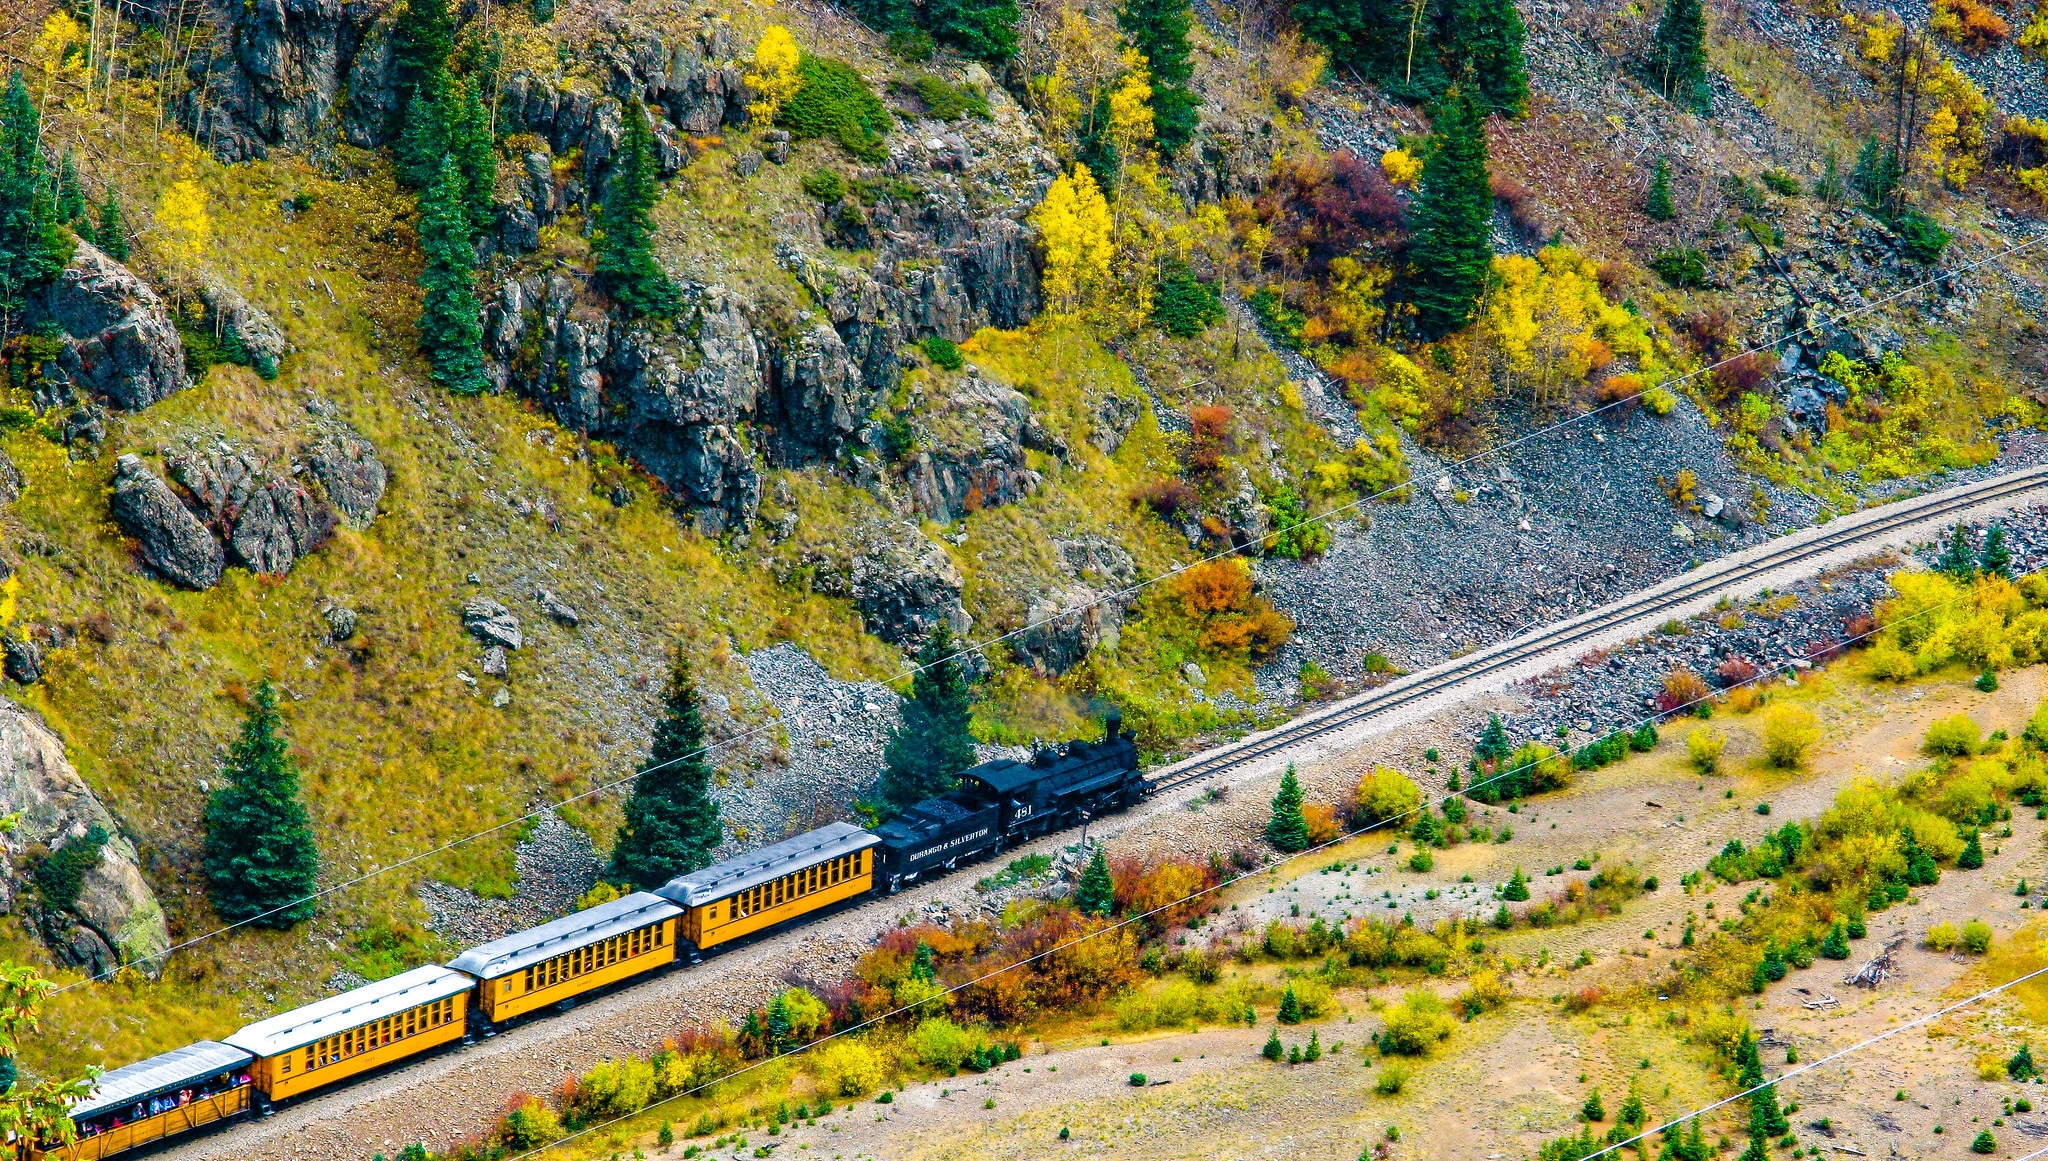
x: 1001, y: 803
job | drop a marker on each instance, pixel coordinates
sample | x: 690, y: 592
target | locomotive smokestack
x: 1112, y: 725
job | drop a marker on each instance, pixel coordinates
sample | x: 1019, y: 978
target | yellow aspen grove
x: 188, y: 229
x: 1130, y: 108
x: 1075, y: 228
x: 774, y: 76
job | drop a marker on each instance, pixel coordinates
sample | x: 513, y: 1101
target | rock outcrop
x: 281, y: 523
x: 492, y: 624
x: 253, y: 334
x: 972, y: 433
x: 349, y: 472
x: 119, y: 340
x: 173, y: 542
x: 1062, y: 626
x: 902, y: 583
x: 111, y: 916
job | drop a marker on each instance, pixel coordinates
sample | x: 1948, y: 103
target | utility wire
x: 1390, y: 822
x: 1119, y: 594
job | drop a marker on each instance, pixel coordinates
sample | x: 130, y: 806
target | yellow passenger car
x: 763, y: 888
x: 574, y: 954
x: 357, y: 1031
x: 143, y: 1103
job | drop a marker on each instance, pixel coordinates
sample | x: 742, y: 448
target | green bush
x: 61, y: 875
x: 1184, y: 305
x: 824, y: 184
x: 943, y: 352
x: 1781, y: 183
x: 949, y: 102
x: 1919, y: 237
x: 835, y: 102
x: 1684, y: 267
x: 1976, y: 937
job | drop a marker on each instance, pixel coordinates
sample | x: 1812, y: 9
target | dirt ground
x: 1509, y: 1081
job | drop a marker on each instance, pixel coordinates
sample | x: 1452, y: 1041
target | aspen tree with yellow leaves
x: 1075, y: 227
x: 182, y: 218
x: 774, y: 76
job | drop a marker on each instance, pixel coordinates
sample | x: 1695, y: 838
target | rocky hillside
x: 886, y: 401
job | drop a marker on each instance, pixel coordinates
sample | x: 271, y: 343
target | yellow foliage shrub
x: 1385, y: 794
x: 847, y: 1067
x: 1789, y: 732
x: 1545, y: 324
x: 1401, y: 167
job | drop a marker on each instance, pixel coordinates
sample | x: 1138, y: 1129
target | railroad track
x: 1869, y: 525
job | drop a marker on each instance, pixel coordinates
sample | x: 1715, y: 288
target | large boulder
x: 120, y: 341
x: 281, y: 523
x: 112, y: 917
x: 973, y: 433
x: 173, y: 541
x: 350, y: 473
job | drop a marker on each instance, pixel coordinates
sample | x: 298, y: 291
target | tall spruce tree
x: 421, y: 39
x: 469, y: 143
x: 625, y: 226
x: 671, y: 826
x: 71, y: 195
x: 1485, y: 37
x: 423, y: 142
x: 1386, y: 41
x: 262, y: 865
x: 451, y: 332
x: 886, y: 16
x: 1096, y: 894
x: 1658, y: 206
x: 1159, y: 30
x: 1678, y: 56
x: 932, y: 744
x: 33, y: 245
x: 1451, y: 218
x: 1287, y: 830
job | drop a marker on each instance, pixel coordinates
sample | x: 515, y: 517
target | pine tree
x: 1985, y: 1143
x: 1158, y: 29
x: 1593, y: 1110
x: 1973, y: 853
x: 2021, y: 1066
x: 625, y: 226
x: 1273, y: 1051
x: 932, y: 744
x: 1386, y: 41
x: 1658, y: 206
x: 1749, y: 1061
x: 1517, y: 889
x: 1097, y: 893
x: 1877, y: 174
x: 1428, y: 829
x: 423, y: 142
x: 1294, y: 1054
x: 1631, y: 1114
x: 111, y: 235
x: 1486, y: 37
x: 1757, y: 1150
x: 1290, y: 1007
x: 778, y: 1029
x: 983, y: 29
x: 1836, y: 944
x: 921, y: 967
x: 450, y: 330
x: 469, y: 143
x: 70, y: 194
x: 887, y: 16
x: 421, y: 39
x: 671, y: 824
x: 1958, y: 559
x: 1287, y: 830
x: 1678, y: 56
x: 33, y: 244
x: 1764, y: 1118
x: 1314, y: 1051
x: 1493, y: 744
x: 262, y: 865
x: 1996, y: 558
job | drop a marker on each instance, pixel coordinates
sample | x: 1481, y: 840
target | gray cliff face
x: 115, y: 918
x: 172, y: 541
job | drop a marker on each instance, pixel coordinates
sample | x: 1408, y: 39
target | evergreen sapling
x: 1658, y: 206
x: 671, y: 824
x: 262, y: 864
x: 1288, y: 830
x: 932, y: 744
x: 1097, y: 893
